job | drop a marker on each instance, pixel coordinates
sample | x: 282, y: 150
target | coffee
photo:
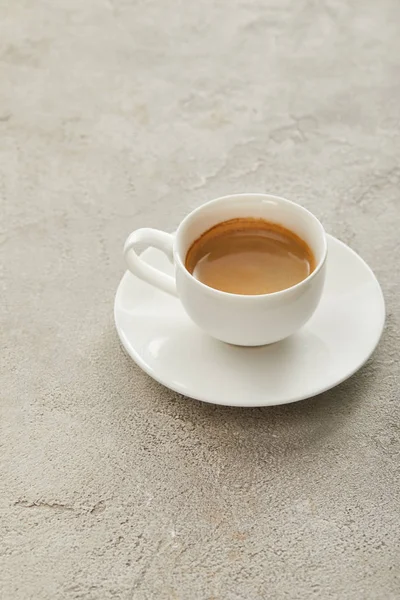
x: 249, y: 256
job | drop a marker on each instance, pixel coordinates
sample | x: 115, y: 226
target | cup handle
x: 158, y: 239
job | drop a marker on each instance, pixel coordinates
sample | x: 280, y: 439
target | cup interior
x: 261, y: 206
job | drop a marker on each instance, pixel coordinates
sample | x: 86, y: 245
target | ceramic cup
x: 234, y: 318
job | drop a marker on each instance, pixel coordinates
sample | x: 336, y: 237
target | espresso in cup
x: 245, y: 253
x: 249, y: 256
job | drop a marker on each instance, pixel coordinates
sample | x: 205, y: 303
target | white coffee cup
x: 234, y: 318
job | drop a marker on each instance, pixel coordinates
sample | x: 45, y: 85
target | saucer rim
x: 175, y: 388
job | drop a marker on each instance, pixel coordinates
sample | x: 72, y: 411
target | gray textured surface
x: 116, y: 114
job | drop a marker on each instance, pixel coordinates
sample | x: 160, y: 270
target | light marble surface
x: 116, y: 114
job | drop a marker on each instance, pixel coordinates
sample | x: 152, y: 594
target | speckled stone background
x: 116, y: 114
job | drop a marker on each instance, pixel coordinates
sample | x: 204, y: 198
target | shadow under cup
x: 242, y: 319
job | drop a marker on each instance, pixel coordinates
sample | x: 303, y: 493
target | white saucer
x: 332, y: 346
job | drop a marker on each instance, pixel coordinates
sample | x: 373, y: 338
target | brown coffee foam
x: 243, y: 225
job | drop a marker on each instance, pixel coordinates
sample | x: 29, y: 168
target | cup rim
x: 251, y: 297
